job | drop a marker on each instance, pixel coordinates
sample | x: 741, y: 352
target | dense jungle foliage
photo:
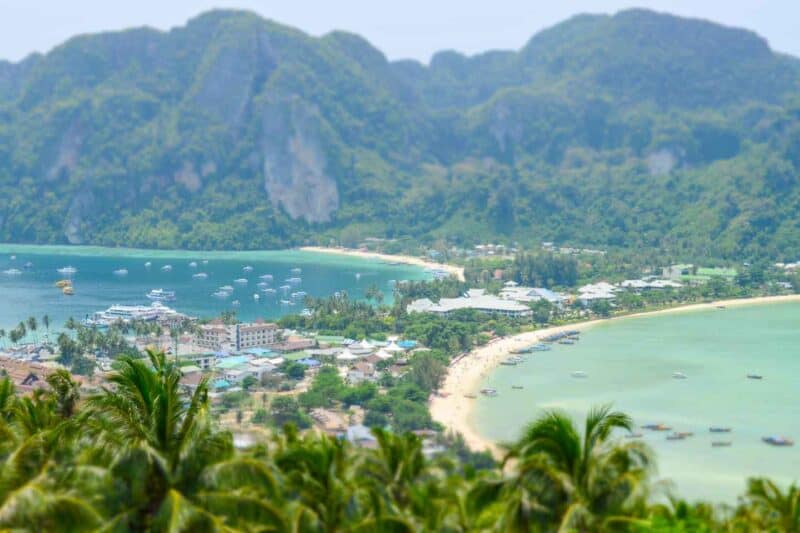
x: 634, y: 130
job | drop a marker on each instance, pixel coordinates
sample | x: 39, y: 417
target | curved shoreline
x: 464, y: 375
x: 404, y: 259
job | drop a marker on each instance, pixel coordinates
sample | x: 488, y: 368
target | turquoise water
x: 96, y: 287
x: 630, y: 363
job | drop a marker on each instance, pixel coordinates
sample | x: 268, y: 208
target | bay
x: 630, y: 364
x: 32, y: 293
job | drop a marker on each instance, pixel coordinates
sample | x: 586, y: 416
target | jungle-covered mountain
x: 639, y: 129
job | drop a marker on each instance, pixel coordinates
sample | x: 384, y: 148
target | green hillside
x: 634, y: 130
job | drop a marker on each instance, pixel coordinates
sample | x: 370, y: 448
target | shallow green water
x: 96, y: 287
x: 630, y: 363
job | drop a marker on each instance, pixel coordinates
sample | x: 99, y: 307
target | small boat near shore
x: 517, y: 387
x: 719, y: 429
x: 121, y: 272
x: 193, y: 264
x: 471, y: 396
x: 12, y: 272
x: 778, y: 441
x: 755, y: 376
x: 67, y: 270
x: 200, y: 275
x: 62, y: 283
x: 721, y: 444
x: 679, y: 435
x: 579, y: 374
x: 166, y: 268
x: 247, y: 269
x: 240, y: 281
x: 657, y: 427
x: 634, y: 435
x: 489, y: 392
x: 68, y: 290
x: 678, y: 375
x: 221, y: 294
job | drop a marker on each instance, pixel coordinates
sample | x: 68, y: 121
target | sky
x: 408, y: 29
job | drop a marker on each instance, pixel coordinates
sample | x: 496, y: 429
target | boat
x: 518, y: 387
x: 166, y: 268
x: 68, y: 290
x: 720, y: 307
x: 160, y: 295
x: 285, y: 288
x: 247, y: 269
x: 204, y: 261
x: 286, y: 302
x: 240, y: 281
x: 675, y: 436
x: 489, y: 392
x: 13, y: 257
x: 294, y: 280
x: 299, y: 294
x: 296, y: 271
x: 509, y: 362
x: 566, y: 341
x: 471, y: 396
x: 12, y: 272
x: 235, y: 303
x: 721, y: 443
x: 718, y: 429
x: 121, y: 272
x: 266, y: 277
x: 755, y: 376
x: 63, y: 283
x: 193, y: 264
x: 579, y: 374
x: 634, y: 435
x: 678, y: 375
x: 269, y: 291
x: 358, y: 275
x: 657, y: 427
x: 28, y: 265
x: 67, y: 270
x: 221, y: 294
x: 540, y: 347
x: 200, y: 275
x: 256, y: 297
x: 778, y: 441
x: 226, y: 288
x: 148, y: 264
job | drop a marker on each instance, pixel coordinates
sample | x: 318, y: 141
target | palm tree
x: 32, y: 325
x: 65, y: 392
x: 46, y: 322
x: 766, y: 507
x: 2, y: 333
x: 163, y: 446
x: 21, y: 330
x: 583, y: 482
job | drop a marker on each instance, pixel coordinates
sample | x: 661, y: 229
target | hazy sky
x: 401, y: 29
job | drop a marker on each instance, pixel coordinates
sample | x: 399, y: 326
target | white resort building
x: 473, y: 299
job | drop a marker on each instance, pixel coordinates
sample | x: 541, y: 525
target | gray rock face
x: 295, y: 176
x: 80, y: 207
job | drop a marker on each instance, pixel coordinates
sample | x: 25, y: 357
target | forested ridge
x: 639, y: 129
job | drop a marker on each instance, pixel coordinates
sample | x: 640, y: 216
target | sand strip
x: 404, y: 259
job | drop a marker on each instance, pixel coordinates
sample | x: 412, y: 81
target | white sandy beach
x: 405, y: 259
x: 453, y: 410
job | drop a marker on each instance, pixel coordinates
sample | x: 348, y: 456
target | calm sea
x: 631, y: 362
x: 33, y: 293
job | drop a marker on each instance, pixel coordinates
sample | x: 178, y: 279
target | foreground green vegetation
x: 144, y: 455
x: 637, y: 131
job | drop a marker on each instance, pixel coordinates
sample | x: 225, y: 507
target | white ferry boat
x: 160, y: 295
x: 128, y: 313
